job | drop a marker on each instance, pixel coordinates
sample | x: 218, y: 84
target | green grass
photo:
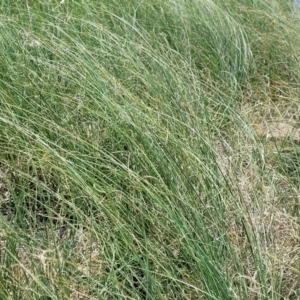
x: 130, y: 163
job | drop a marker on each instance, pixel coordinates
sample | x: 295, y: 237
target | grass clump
x: 134, y: 159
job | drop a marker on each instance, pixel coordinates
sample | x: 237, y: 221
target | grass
x: 134, y: 160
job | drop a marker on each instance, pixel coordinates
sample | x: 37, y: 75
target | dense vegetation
x: 149, y: 149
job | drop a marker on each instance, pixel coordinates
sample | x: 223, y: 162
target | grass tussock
x: 149, y: 150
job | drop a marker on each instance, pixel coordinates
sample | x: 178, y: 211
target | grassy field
x: 149, y: 149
